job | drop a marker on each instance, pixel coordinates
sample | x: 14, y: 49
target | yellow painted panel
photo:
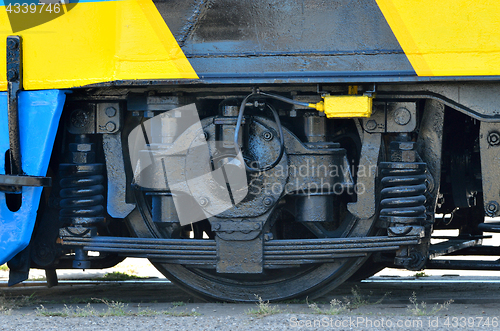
x: 447, y: 37
x: 98, y: 42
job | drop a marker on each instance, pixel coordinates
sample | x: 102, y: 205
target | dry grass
x: 113, y: 308
x: 421, y: 309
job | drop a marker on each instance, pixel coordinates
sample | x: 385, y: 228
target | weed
x: 42, y: 311
x: 117, y: 276
x: 421, y: 274
x: 4, y: 267
x: 86, y: 311
x: 421, y: 309
x: 359, y: 300
x: 336, y: 307
x: 113, y: 308
x: 181, y: 313
x: 146, y: 312
x: 8, y: 304
x: 178, y: 304
x: 264, y: 308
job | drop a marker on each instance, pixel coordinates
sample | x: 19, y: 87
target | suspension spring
x: 403, y: 193
x: 402, y: 205
x: 81, y: 194
x: 82, y: 190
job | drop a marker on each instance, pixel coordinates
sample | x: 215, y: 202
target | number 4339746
x: 33, y: 8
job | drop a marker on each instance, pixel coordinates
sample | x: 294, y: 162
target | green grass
x: 118, y: 276
x: 178, y: 304
x: 421, y: 274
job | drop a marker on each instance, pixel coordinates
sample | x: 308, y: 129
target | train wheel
x: 273, y: 284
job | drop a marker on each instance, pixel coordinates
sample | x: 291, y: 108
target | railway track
x: 434, y: 289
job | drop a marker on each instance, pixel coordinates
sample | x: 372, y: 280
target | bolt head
x: 493, y: 138
x: 12, y: 75
x: 267, y: 201
x: 268, y: 136
x: 13, y: 43
x: 204, y: 135
x: 110, y: 111
x: 402, y: 116
x: 110, y: 126
x: 492, y: 208
x: 371, y: 125
x: 204, y: 202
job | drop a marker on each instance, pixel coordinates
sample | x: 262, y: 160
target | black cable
x: 280, y: 129
x: 286, y: 100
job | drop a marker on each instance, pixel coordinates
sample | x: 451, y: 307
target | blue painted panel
x: 39, y: 114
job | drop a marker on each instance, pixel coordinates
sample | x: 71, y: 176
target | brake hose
x: 278, y: 123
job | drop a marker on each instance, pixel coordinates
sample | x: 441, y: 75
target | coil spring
x: 403, y: 192
x: 81, y: 193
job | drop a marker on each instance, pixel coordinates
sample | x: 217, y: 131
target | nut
x: 268, y: 136
x: 268, y: 236
x: 492, y: 208
x: 493, y: 138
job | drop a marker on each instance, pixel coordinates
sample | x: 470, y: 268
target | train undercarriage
x: 313, y: 201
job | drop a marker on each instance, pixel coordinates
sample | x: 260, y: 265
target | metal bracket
x: 14, y: 85
x: 117, y: 181
x: 388, y: 117
x: 489, y: 144
x: 13, y: 182
x: 364, y: 208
